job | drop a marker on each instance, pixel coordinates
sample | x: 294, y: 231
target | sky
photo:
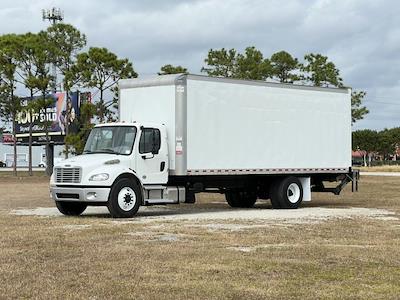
x: 362, y: 37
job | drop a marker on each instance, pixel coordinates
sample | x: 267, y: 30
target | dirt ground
x: 333, y: 247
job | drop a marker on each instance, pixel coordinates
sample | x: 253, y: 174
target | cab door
x: 152, y: 159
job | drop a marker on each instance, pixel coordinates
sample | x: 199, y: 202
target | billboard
x: 60, y: 114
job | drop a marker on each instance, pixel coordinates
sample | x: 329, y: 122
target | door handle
x: 148, y: 156
x: 162, y: 166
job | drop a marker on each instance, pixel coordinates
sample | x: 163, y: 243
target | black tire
x: 71, y: 208
x: 240, y: 199
x: 274, y: 198
x: 287, y: 193
x: 132, y: 202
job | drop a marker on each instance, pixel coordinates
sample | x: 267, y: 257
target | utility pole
x: 54, y: 16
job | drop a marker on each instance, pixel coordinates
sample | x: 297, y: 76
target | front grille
x: 67, y: 175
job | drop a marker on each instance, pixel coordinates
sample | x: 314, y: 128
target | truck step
x: 161, y: 201
x: 155, y: 187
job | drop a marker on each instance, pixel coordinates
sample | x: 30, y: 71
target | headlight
x: 99, y: 177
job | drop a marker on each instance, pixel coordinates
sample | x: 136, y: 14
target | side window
x: 150, y: 141
x: 157, y: 141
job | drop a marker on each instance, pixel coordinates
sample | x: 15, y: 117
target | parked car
x: 2, y: 164
x: 43, y: 163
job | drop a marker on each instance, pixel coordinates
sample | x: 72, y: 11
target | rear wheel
x: 242, y: 199
x: 272, y: 192
x: 287, y: 193
x: 125, y: 199
x: 71, y: 208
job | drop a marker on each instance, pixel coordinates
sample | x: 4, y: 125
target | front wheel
x: 71, y: 208
x: 125, y: 199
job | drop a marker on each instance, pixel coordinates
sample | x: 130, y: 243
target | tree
x: 366, y: 140
x: 284, y: 67
x: 170, y: 69
x: 77, y: 141
x: 10, y: 104
x: 229, y: 63
x: 102, y: 70
x: 31, y: 108
x: 385, y: 143
x: 43, y: 53
x: 26, y: 52
x: 69, y: 41
x: 252, y: 65
x: 357, y: 110
x: 388, y: 141
x: 221, y: 63
x: 321, y: 72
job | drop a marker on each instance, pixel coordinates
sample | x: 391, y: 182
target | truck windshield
x: 111, y: 139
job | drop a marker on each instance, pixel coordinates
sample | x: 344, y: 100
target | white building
x: 38, y: 154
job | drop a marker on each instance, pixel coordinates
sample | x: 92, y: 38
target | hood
x: 88, y: 160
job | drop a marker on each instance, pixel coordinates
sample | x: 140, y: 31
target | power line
x: 381, y: 102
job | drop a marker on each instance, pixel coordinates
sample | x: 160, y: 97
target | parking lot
x: 332, y: 247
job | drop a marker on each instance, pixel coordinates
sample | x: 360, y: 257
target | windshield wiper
x: 87, y: 152
x: 105, y: 150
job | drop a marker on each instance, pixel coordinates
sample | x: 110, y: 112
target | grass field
x: 380, y: 169
x: 96, y: 257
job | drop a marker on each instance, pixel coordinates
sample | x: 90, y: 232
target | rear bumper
x: 80, y: 194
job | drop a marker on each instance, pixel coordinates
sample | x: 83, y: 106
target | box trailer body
x: 247, y: 139
x: 243, y: 127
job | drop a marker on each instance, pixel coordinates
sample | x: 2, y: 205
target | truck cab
x: 123, y: 166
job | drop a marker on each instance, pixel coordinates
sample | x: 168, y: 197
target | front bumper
x: 80, y: 194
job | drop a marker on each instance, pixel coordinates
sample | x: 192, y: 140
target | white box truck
x: 179, y: 135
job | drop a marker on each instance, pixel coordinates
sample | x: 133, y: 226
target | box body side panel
x: 235, y: 126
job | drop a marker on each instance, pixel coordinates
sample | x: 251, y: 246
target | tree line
x: 28, y: 60
x: 315, y: 70
x: 372, y: 143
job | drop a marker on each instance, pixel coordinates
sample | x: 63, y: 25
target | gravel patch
x: 229, y: 227
x: 53, y: 211
x: 155, y: 213
x: 157, y: 236
x: 242, y: 249
x: 75, y: 227
x: 287, y: 245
